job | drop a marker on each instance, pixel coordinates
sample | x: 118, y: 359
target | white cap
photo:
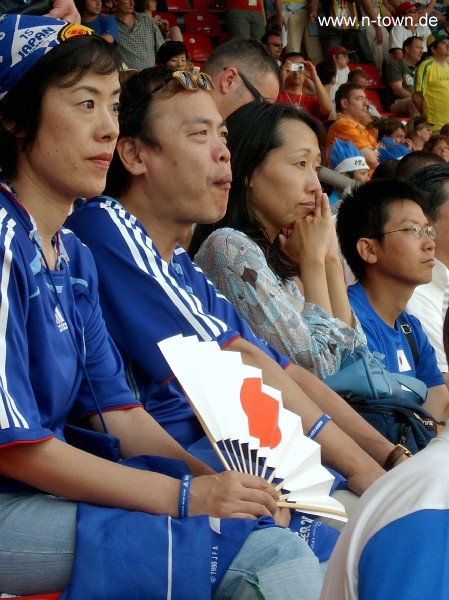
x: 354, y: 163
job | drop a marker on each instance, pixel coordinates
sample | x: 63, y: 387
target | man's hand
x: 234, y: 495
x: 65, y: 10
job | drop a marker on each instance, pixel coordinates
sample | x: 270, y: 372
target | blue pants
x: 37, y: 539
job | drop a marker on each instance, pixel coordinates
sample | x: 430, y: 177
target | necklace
x: 298, y: 103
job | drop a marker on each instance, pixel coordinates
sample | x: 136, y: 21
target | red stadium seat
x: 200, y: 5
x: 374, y: 78
x: 202, y: 22
x: 181, y: 6
x: 206, y: 5
x: 198, y: 46
x: 373, y: 97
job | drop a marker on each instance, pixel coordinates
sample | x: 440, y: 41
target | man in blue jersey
x: 172, y: 169
x: 407, y: 513
x: 389, y: 245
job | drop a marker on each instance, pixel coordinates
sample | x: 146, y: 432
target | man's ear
x: 229, y: 80
x: 10, y: 127
x: 129, y: 151
x: 344, y: 102
x: 367, y: 249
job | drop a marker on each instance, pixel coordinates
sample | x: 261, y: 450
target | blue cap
x: 25, y: 39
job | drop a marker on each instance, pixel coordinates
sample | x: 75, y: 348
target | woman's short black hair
x: 254, y: 130
x: 64, y: 65
x: 169, y: 50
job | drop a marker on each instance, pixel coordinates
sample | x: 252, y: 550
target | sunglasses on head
x: 189, y: 81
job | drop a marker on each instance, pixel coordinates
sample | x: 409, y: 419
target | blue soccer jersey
x: 392, y: 342
x: 146, y: 300
x: 396, y: 543
x: 41, y: 383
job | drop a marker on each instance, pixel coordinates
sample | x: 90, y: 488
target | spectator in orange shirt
x: 352, y: 108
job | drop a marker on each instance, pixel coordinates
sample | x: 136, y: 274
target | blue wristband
x: 318, y: 426
x: 184, y: 492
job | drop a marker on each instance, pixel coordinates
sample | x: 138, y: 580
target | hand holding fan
x: 248, y: 426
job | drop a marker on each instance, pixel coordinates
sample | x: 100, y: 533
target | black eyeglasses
x: 417, y: 231
x: 189, y: 81
x: 249, y: 86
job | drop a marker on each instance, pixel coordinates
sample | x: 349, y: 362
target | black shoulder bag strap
x: 407, y: 330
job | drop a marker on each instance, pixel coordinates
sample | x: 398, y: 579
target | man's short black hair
x: 266, y: 36
x: 413, y: 161
x: 344, y: 93
x: 365, y: 212
x: 409, y: 41
x: 433, y: 179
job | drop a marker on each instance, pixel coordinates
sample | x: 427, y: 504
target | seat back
x: 202, y: 22
x: 178, y: 5
x: 199, y: 46
x: 374, y: 79
x: 373, y: 97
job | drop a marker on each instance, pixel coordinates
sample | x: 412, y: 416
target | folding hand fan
x: 248, y: 426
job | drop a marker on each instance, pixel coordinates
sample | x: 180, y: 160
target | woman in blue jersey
x: 59, y: 91
x: 290, y: 290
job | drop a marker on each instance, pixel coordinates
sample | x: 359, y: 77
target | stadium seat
x: 198, y: 46
x: 168, y: 16
x: 200, y: 5
x: 202, y: 22
x: 373, y: 97
x: 206, y: 5
x: 374, y: 78
x: 181, y: 6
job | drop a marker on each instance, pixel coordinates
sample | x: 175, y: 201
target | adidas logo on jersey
x: 60, y: 321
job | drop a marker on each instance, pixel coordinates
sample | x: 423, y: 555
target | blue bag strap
x: 414, y: 385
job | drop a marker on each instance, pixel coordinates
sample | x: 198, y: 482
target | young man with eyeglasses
x: 389, y: 245
x: 242, y: 71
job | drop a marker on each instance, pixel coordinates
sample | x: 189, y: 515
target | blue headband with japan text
x: 25, y: 39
